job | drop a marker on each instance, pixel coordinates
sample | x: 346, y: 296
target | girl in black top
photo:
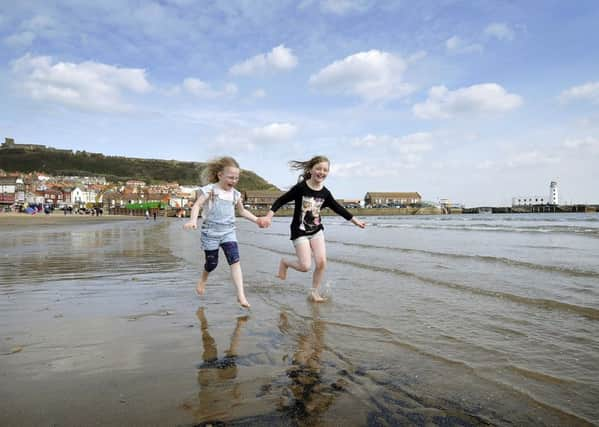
x: 310, y: 197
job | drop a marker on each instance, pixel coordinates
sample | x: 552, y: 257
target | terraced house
x: 391, y: 199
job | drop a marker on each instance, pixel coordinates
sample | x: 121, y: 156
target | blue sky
x: 474, y: 101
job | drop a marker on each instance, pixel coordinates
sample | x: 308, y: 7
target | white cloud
x: 407, y: 152
x: 586, y: 92
x: 456, y: 45
x: 414, y: 143
x: 21, y: 39
x: 581, y: 143
x: 531, y: 158
x: 500, y: 31
x: 415, y: 57
x: 372, y: 75
x: 87, y: 85
x: 30, y: 30
x: 247, y: 139
x: 373, y: 168
x: 201, y: 89
x: 279, y: 58
x: 231, y: 89
x: 482, y: 98
x: 259, y: 93
x: 485, y: 164
x: 39, y: 23
x: 274, y: 133
x: 197, y: 87
x: 343, y: 7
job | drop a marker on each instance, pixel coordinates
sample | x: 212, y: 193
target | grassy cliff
x: 114, y: 168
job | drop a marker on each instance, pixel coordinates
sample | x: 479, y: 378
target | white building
x: 553, y: 193
x: 81, y: 196
x: 528, y: 201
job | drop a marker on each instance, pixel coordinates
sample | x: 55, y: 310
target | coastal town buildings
x: 391, y: 199
x: 11, y: 190
x: 262, y: 199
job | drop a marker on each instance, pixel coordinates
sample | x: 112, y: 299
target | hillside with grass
x: 115, y: 168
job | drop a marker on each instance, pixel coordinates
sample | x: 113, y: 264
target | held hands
x: 263, y: 221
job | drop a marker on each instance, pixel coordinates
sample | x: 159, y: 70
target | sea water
x: 429, y: 320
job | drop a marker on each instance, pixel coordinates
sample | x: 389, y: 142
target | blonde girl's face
x: 319, y: 171
x: 228, y: 178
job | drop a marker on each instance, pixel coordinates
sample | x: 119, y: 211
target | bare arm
x: 290, y: 195
x: 195, y: 211
x: 340, y: 210
x: 245, y: 213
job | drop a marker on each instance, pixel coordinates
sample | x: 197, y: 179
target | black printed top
x: 308, y: 204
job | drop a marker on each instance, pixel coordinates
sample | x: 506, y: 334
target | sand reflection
x: 307, y: 396
x: 219, y: 390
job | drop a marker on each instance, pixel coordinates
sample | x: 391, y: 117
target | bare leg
x: 210, y: 352
x: 232, y: 351
x: 201, y: 287
x: 238, y: 282
x: 302, y: 263
x: 320, y: 260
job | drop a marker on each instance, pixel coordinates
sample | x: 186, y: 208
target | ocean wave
x: 544, y: 303
x: 572, y: 229
x: 569, y: 271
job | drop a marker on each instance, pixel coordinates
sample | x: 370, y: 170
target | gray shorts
x: 318, y: 235
x: 213, y: 239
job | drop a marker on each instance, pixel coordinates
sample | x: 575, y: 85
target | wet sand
x: 56, y: 218
x: 100, y: 325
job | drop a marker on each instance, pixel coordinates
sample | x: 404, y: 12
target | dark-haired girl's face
x: 319, y: 172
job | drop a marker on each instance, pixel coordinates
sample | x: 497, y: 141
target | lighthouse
x: 553, y: 195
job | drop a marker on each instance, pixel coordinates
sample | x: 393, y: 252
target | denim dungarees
x: 218, y: 226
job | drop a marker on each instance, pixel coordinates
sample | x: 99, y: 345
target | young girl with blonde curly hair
x: 218, y: 200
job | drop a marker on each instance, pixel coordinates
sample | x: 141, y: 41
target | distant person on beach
x: 310, y: 197
x: 218, y: 220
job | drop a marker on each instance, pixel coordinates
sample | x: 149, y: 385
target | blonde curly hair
x: 215, y: 166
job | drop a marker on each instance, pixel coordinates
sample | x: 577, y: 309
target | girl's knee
x: 231, y: 250
x: 211, y: 260
x: 304, y: 266
x: 320, y: 264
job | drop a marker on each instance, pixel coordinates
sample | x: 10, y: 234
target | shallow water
x: 440, y: 320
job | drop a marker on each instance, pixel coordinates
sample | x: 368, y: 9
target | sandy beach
x: 100, y: 325
x: 56, y: 218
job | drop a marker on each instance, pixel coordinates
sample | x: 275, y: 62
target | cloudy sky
x: 474, y: 101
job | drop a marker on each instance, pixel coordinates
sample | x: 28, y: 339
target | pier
x: 532, y: 209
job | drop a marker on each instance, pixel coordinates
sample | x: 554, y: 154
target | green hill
x: 51, y: 161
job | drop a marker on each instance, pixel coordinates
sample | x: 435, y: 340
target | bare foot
x: 201, y: 287
x: 282, y: 270
x: 242, y: 301
x: 315, y: 296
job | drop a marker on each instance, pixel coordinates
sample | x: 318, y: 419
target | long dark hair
x: 307, y: 165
